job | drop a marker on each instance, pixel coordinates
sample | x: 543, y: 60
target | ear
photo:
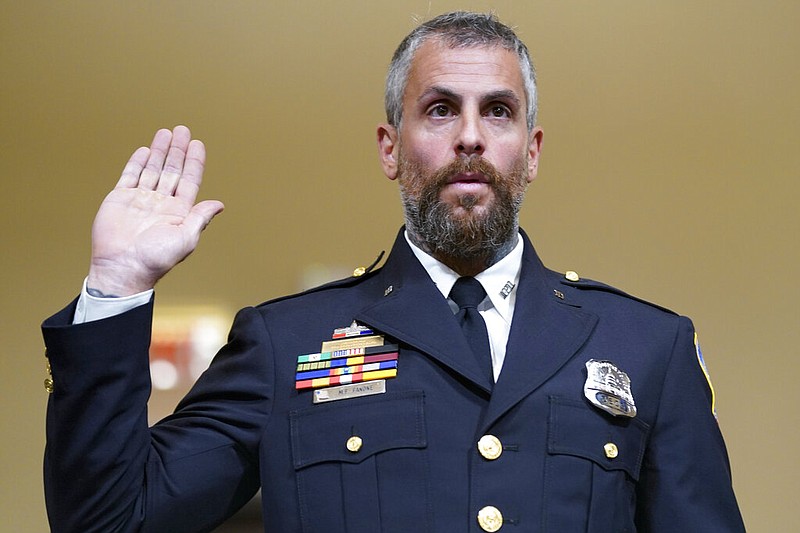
x: 534, y: 151
x: 387, y: 149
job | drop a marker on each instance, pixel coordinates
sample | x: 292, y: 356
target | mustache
x: 466, y: 165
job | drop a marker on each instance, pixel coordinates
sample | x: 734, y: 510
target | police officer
x: 462, y: 386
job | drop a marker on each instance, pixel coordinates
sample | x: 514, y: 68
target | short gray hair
x: 459, y: 29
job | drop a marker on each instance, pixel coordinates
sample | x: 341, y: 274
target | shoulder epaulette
x: 572, y: 279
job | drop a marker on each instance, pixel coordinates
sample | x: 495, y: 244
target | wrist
x: 97, y: 293
x: 114, y: 283
x: 90, y: 308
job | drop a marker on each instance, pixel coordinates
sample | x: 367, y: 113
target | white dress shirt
x: 497, y: 309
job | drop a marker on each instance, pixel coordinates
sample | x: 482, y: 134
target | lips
x: 468, y: 177
x: 468, y: 182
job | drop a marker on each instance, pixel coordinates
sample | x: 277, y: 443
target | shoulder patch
x: 706, y: 374
x: 589, y: 284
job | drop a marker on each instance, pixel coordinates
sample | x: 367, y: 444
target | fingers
x: 174, y: 163
x: 132, y: 170
x: 172, y: 158
x: 148, y: 179
x: 189, y: 184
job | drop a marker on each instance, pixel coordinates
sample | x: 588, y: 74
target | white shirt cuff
x: 91, y: 308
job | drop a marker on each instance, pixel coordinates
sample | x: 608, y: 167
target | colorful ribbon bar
x: 335, y: 363
x: 345, y: 378
x: 350, y: 352
x: 343, y: 370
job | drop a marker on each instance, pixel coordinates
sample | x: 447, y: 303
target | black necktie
x: 467, y: 293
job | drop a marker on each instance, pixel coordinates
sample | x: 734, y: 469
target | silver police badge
x: 609, y: 388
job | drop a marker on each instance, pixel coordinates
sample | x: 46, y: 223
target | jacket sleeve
x: 686, y: 480
x: 105, y: 470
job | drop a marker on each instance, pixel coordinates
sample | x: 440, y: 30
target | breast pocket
x: 592, y: 467
x: 361, y: 464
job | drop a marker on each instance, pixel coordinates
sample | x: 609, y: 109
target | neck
x: 467, y: 264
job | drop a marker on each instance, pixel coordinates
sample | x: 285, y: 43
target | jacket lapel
x: 413, y: 311
x: 545, y: 334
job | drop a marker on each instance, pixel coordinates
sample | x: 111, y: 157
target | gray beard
x: 433, y: 225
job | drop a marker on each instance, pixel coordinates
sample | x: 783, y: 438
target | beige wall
x: 670, y: 169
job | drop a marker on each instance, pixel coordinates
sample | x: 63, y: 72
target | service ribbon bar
x: 355, y: 355
x: 342, y: 370
x: 349, y: 361
x: 351, y: 352
x: 346, y: 378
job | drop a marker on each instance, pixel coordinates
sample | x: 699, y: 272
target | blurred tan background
x: 668, y: 170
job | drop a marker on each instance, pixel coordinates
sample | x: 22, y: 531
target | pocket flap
x: 614, y: 443
x: 392, y: 420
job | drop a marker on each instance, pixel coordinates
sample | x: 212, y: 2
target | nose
x: 470, y: 139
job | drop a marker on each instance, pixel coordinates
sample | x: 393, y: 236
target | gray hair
x: 459, y: 29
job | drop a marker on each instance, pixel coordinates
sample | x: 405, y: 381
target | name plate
x: 353, y: 390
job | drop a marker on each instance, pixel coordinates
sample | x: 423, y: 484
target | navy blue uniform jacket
x: 244, y: 426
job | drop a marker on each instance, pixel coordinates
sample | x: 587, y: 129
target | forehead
x: 464, y: 70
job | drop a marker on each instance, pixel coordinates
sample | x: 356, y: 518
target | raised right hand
x: 149, y: 223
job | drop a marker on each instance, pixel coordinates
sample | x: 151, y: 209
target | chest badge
x: 609, y: 388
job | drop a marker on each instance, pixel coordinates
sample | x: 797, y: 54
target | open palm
x: 149, y: 222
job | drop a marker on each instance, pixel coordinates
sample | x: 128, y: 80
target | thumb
x: 201, y: 214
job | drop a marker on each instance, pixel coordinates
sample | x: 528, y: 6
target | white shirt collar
x: 499, y: 280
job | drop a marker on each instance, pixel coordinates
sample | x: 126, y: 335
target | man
x: 377, y: 403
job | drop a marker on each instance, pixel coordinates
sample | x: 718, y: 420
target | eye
x: 439, y: 110
x: 499, y: 111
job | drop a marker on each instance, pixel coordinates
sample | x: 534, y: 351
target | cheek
x: 428, y: 152
x: 510, y: 158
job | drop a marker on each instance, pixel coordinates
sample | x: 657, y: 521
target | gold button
x: 490, y: 447
x: 611, y: 450
x: 354, y: 443
x: 49, y: 386
x: 572, y: 276
x: 360, y: 271
x: 490, y: 518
